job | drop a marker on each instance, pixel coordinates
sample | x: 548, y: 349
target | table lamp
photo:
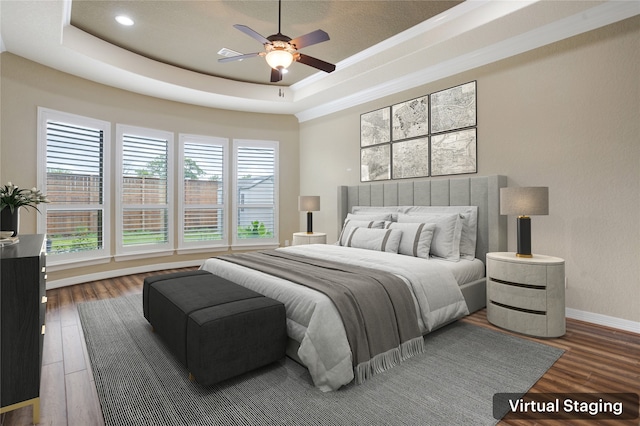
x: 524, y: 202
x: 309, y: 203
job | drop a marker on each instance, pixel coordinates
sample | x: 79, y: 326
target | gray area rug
x: 140, y: 383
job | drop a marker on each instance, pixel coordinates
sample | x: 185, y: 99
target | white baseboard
x: 605, y: 320
x: 80, y: 279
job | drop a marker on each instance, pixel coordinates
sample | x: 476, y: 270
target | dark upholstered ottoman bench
x: 216, y: 328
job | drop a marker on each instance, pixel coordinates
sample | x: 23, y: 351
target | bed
x: 441, y: 289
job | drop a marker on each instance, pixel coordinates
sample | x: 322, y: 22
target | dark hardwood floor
x: 596, y: 359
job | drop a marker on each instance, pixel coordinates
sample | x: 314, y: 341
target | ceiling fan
x: 280, y: 50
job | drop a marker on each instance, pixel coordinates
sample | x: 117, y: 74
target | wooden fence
x: 76, y: 189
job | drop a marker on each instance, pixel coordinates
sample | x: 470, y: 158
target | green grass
x: 203, y: 234
x: 84, y: 240
x: 89, y: 241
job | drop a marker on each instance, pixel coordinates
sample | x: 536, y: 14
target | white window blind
x: 74, y: 175
x: 203, y: 202
x: 256, y: 195
x: 144, y: 190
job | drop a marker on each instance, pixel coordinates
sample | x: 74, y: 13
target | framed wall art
x: 453, y: 108
x: 375, y: 163
x: 432, y: 135
x: 410, y: 158
x: 375, y: 127
x: 454, y: 153
x: 410, y: 119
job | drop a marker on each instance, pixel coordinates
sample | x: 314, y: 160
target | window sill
x: 192, y: 250
x: 54, y: 265
x: 122, y: 257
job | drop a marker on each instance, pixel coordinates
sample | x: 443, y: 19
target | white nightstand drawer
x: 522, y: 322
x: 517, y: 297
x: 517, y: 273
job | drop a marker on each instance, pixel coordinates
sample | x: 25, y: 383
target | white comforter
x: 314, y: 322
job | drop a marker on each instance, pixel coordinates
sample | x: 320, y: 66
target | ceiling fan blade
x: 276, y: 75
x: 248, y: 31
x: 316, y: 63
x: 315, y: 37
x: 239, y: 57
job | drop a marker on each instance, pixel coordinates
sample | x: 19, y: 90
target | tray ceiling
x: 189, y: 34
x: 379, y: 47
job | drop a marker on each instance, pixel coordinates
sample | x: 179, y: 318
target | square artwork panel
x: 453, y: 108
x: 410, y: 119
x: 375, y: 163
x: 454, y: 153
x: 411, y: 158
x: 375, y: 127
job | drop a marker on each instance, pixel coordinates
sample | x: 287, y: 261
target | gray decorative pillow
x: 386, y: 240
x: 350, y: 223
x: 416, y: 238
x: 446, y: 237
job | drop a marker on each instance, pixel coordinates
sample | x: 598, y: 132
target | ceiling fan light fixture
x: 281, y: 50
x: 279, y: 59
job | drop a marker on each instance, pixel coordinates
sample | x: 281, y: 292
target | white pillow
x: 469, y: 215
x: 349, y: 223
x: 375, y: 210
x: 374, y: 239
x: 446, y: 237
x: 416, y: 238
x: 469, y: 235
x: 369, y: 216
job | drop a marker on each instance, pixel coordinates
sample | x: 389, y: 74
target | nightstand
x: 526, y: 295
x: 300, y: 238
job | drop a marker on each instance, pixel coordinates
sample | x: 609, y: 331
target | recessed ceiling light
x: 124, y: 20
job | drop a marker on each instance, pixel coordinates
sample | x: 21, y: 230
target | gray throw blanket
x: 376, y: 307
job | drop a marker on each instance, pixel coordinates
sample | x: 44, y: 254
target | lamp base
x: 309, y: 223
x: 523, y: 255
x: 524, y: 237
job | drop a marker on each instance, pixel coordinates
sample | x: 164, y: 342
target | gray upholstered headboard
x: 481, y: 191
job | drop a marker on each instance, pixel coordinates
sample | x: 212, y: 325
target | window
x: 203, y: 202
x: 73, y: 172
x: 255, y: 188
x: 228, y: 194
x: 144, y: 191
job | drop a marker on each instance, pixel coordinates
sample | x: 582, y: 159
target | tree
x: 158, y: 168
x: 155, y: 168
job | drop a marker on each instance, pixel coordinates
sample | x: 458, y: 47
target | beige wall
x: 564, y: 116
x: 26, y: 85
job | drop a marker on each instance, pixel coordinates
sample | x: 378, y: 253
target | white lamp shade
x: 279, y: 59
x: 526, y: 201
x: 309, y: 203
